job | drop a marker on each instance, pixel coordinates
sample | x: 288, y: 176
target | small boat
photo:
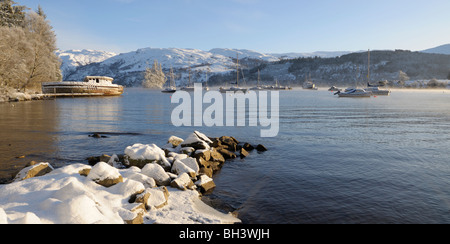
x: 234, y: 88
x: 354, y: 92
x: 172, y: 87
x: 91, y: 85
x: 377, y: 91
x: 309, y: 85
x: 334, y: 89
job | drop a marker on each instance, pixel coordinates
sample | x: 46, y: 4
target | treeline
x: 27, y: 48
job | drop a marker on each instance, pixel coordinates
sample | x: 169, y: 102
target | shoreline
x: 8, y: 95
x: 146, y: 185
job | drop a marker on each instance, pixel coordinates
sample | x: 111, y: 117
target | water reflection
x: 28, y: 132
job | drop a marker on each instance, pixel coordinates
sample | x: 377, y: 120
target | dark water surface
x: 335, y: 160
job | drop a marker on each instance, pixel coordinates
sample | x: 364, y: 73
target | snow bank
x: 66, y: 197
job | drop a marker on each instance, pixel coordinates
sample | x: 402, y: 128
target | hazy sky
x: 262, y: 25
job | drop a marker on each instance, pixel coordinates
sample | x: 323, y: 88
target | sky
x: 268, y: 26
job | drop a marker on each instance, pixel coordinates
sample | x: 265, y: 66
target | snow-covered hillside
x: 127, y: 67
x: 444, y: 49
x: 71, y: 59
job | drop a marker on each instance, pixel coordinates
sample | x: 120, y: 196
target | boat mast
x: 237, y: 70
x: 259, y: 78
x: 368, y: 68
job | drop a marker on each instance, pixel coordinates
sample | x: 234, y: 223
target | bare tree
x: 154, y: 77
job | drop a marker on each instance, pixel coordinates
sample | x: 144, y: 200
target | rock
x: 196, y: 141
x: 147, y: 181
x: 159, y: 197
x: 243, y: 153
x: 33, y: 169
x: 175, y: 141
x: 140, y: 155
x: 85, y: 171
x: 157, y: 172
x: 261, y: 148
x: 205, y: 154
x: 206, y: 184
x: 105, y: 175
x: 248, y: 147
x: 182, y: 182
x: 187, y: 150
x: 214, y: 166
x: 227, y: 154
x: 207, y: 171
x: 93, y: 160
x: 216, y: 156
x: 179, y: 168
x: 191, y: 163
x: 134, y: 215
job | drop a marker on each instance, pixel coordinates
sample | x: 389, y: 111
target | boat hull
x: 81, y: 88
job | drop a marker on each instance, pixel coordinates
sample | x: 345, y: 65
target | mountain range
x: 220, y: 63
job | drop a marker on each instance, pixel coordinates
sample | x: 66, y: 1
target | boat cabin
x: 98, y: 79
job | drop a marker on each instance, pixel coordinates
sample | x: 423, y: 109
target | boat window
x: 97, y: 80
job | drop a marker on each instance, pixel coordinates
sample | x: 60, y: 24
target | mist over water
x: 335, y: 160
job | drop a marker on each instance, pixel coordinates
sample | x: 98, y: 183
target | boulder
x: 214, y: 166
x: 243, y: 153
x: 175, y: 141
x: 182, y: 182
x: 179, y: 168
x: 230, y: 142
x: 216, y: 156
x: 261, y: 148
x: 159, y: 197
x: 248, y: 147
x: 85, y: 171
x: 140, y: 155
x: 206, y: 184
x: 156, y: 172
x: 205, y: 154
x: 105, y: 175
x: 197, y: 142
x: 227, y: 154
x: 33, y: 169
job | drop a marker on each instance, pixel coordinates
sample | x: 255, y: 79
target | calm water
x: 336, y: 160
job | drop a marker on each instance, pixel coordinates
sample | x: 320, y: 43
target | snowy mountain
x: 71, y: 59
x: 322, y: 54
x: 444, y: 49
x: 127, y: 68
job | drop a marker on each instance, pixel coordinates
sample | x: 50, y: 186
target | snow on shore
x: 105, y: 194
x: 66, y: 197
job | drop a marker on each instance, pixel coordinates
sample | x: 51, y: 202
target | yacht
x: 377, y: 91
x: 172, y: 87
x: 354, y: 92
x: 234, y: 88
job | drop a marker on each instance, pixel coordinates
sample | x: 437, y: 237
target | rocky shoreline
x: 148, y: 184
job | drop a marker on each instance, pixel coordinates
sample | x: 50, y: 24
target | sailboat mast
x: 237, y: 70
x: 368, y: 68
x: 259, y: 78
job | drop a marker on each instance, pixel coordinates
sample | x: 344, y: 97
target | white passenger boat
x: 91, y: 85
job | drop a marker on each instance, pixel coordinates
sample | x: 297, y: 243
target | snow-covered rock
x: 105, y: 175
x: 140, y: 155
x: 179, y: 168
x: 158, y: 173
x: 34, y: 170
